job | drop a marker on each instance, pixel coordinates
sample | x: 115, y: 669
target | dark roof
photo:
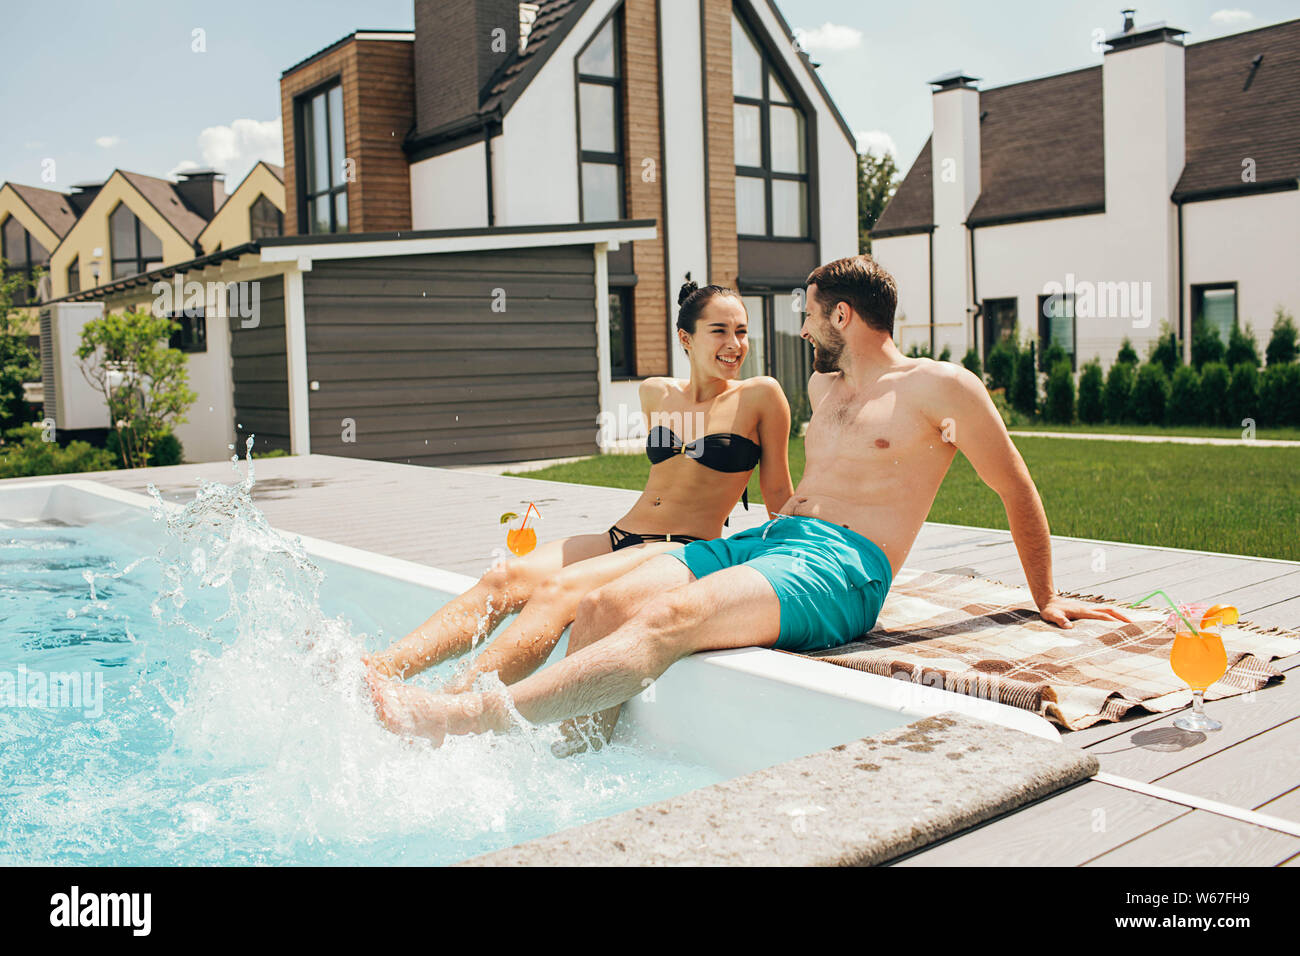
x: 1232, y: 122
x: 162, y: 195
x: 276, y: 171
x: 1041, y: 141
x: 550, y: 25
x: 50, y: 206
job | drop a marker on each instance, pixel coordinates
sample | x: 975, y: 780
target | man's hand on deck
x: 1062, y: 611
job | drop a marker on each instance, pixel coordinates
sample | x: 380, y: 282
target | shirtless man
x: 884, y: 430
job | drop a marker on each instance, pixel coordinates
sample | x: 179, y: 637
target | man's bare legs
x: 528, y: 641
x: 735, y: 607
x: 457, y: 625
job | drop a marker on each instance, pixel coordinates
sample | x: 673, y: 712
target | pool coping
x: 925, y: 800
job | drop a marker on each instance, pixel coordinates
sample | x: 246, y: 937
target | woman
x: 706, y: 436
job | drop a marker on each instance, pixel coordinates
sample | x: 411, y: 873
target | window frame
x: 74, y: 269
x: 28, y: 268
x: 252, y: 230
x: 627, y: 304
x: 616, y: 82
x: 138, y: 259
x: 304, y: 157
x: 192, y: 336
x: 1197, y: 294
x: 984, y: 311
x: 765, y: 172
x: 1045, y: 322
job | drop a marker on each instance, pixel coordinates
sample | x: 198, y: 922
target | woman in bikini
x: 706, y: 436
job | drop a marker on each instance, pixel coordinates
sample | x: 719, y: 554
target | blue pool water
x: 210, y: 710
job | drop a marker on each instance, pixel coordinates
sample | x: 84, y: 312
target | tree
x: 125, y: 357
x: 1242, y: 347
x: 972, y: 362
x: 1092, y: 409
x: 16, y: 358
x: 877, y: 179
x: 1281, y: 348
x: 1059, y: 404
x: 1024, y: 383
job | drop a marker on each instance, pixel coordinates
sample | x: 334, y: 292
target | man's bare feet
x: 416, y: 712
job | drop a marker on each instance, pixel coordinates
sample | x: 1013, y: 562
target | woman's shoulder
x: 658, y: 387
x: 764, y: 389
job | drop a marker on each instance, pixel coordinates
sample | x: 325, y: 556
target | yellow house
x: 254, y: 210
x: 134, y: 223
x: 33, y: 221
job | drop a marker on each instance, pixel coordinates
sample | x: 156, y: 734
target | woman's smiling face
x: 721, y: 340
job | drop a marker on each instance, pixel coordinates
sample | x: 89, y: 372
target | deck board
x: 447, y: 518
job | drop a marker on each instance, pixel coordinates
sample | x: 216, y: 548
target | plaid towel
x: 986, y: 639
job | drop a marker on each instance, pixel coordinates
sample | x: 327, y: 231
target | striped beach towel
x: 986, y: 639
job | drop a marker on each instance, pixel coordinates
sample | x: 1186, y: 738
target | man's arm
x: 773, y: 441
x: 968, y: 419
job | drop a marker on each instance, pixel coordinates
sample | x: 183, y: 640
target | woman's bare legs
x: 529, y: 640
x: 464, y: 620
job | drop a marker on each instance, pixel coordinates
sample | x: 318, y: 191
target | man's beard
x: 826, y: 355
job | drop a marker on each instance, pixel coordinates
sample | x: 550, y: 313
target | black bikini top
x: 721, y: 452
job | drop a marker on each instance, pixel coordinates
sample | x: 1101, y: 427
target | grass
x: 1237, y: 500
x: 1189, y: 431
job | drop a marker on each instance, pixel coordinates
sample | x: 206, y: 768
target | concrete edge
x: 858, y: 804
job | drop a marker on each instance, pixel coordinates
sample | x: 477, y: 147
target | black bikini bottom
x: 618, y: 538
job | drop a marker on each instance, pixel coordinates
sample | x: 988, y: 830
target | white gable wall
x: 448, y: 191
x: 907, y: 259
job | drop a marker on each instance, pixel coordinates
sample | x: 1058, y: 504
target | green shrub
x: 1002, y: 365
x: 1207, y: 347
x: 1164, y: 352
x: 1050, y: 356
x: 1092, y: 409
x: 281, y: 453
x: 1127, y: 354
x: 26, y: 453
x: 166, y: 449
x: 945, y: 355
x: 1282, y: 342
x: 1242, y: 348
x: 972, y: 362
x: 1118, y: 392
x: 1243, y: 394
x: 1010, y: 417
x: 1279, y: 394
x: 1059, y: 403
x: 1024, y: 383
x: 918, y: 351
x: 1214, y: 393
x: 1185, y: 397
x: 1150, y: 395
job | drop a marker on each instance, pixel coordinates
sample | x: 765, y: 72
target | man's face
x: 828, y: 342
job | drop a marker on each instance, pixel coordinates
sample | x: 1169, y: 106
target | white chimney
x: 955, y: 180
x: 1143, y: 106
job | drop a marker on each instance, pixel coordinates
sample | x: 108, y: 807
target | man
x: 884, y: 430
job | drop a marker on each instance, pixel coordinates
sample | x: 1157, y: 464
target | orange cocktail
x: 523, y: 539
x: 1198, y: 658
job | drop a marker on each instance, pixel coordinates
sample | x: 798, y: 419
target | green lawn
x: 1189, y: 431
x: 1211, y: 498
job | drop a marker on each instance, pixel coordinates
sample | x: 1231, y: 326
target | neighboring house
x: 1090, y: 206
x: 33, y: 222
x: 255, y: 210
x: 698, y: 114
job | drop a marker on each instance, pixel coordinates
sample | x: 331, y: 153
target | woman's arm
x: 774, y: 440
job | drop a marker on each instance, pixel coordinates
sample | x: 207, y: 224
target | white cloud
x: 108, y: 142
x: 236, y: 148
x: 183, y: 166
x: 829, y: 36
x: 876, y: 141
x: 1231, y: 17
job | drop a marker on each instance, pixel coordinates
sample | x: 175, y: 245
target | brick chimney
x: 1143, y: 106
x: 203, y: 190
x: 955, y: 178
x: 457, y: 52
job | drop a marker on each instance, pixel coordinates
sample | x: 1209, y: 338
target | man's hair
x: 859, y: 281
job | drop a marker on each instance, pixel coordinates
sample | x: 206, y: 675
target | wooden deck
x: 447, y: 518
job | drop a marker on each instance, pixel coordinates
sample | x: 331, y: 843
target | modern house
x: 1090, y: 206
x: 33, y: 221
x: 487, y: 220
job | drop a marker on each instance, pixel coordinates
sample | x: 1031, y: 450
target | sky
x: 158, y: 86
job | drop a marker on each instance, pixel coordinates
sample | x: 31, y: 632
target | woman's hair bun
x: 687, y: 290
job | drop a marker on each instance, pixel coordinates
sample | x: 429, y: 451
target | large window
x: 23, y: 255
x: 1216, y: 306
x: 776, y: 347
x: 600, y: 125
x: 324, y: 206
x: 771, y: 146
x: 999, y: 323
x: 264, y: 219
x: 1056, y: 327
x: 74, y: 275
x: 622, y: 362
x: 133, y: 248
x: 192, y: 335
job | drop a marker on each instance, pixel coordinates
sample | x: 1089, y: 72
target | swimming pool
x: 217, y: 715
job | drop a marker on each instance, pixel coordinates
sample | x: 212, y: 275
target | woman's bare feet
x: 416, y: 712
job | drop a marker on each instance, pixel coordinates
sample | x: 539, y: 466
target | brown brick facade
x: 645, y: 197
x: 724, y: 256
x: 378, y: 111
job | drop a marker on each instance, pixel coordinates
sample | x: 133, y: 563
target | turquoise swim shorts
x: 831, y: 581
